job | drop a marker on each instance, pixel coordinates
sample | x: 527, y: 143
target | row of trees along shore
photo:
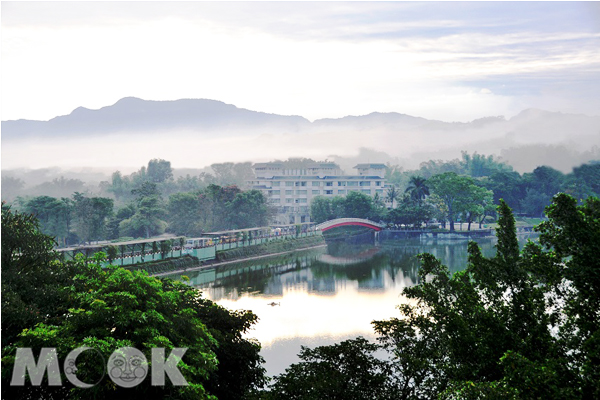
x: 519, y: 325
x: 150, y: 201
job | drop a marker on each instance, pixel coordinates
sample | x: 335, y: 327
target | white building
x: 292, y: 190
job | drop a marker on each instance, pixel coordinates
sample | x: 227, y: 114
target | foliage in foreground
x: 46, y: 303
x: 521, y: 325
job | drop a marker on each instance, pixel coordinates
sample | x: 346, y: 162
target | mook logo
x: 126, y: 367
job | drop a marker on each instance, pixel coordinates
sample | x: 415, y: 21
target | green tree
x: 347, y: 370
x: 320, y: 209
x: 456, y: 191
x: 183, y: 214
x: 91, y: 215
x: 479, y: 205
x: 589, y: 175
x: 506, y: 185
x: 358, y: 205
x: 418, y: 189
x: 54, y: 216
x: 159, y: 171
x: 392, y: 194
x: 507, y: 326
x: 147, y: 221
x: 409, y: 212
x: 248, y: 209
x: 46, y: 303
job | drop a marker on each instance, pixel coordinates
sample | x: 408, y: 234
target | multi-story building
x: 292, y: 190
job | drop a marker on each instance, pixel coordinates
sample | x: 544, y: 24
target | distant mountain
x: 197, y: 132
x: 132, y: 115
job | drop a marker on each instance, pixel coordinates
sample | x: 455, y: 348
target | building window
x: 289, y: 200
x: 328, y: 183
x: 316, y: 183
x: 316, y: 192
x: 366, y: 191
x: 341, y: 183
x: 275, y: 201
x: 380, y: 191
x: 276, y: 184
x: 301, y: 191
x: 352, y: 183
x: 289, y: 192
x: 329, y: 192
x: 378, y: 183
x: 275, y: 192
x: 287, y: 183
x: 341, y: 192
x: 365, y: 183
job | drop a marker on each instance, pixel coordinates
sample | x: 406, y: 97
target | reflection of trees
x: 304, y: 269
x: 261, y: 276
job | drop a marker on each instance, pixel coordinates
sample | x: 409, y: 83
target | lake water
x: 324, y: 295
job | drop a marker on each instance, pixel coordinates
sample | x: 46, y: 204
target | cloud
x: 322, y: 60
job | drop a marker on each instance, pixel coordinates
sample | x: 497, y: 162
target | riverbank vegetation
x: 272, y: 247
x: 65, y: 305
x: 465, y: 190
x: 151, y: 201
x: 520, y: 325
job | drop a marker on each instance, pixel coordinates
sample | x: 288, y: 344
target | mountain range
x: 263, y: 136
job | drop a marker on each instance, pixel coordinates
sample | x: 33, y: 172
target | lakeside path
x: 213, y: 265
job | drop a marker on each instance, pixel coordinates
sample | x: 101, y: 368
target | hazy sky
x: 450, y: 61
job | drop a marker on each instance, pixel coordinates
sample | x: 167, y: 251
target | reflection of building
x: 292, y: 190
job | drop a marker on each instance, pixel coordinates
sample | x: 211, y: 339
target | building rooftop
x: 268, y: 164
x: 377, y: 166
x: 332, y: 177
x: 323, y: 165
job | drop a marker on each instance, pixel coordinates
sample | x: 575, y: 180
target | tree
x: 54, y: 215
x: 183, y: 214
x: 573, y: 235
x: 147, y: 221
x: 347, y: 370
x: 506, y: 185
x: 91, y: 214
x: 517, y: 325
x: 159, y: 171
x: 27, y: 256
x: 409, y: 212
x: 480, y: 204
x: 320, y: 209
x: 47, y: 303
x: 417, y: 188
x: 478, y: 165
x: 392, y: 194
x: 248, y: 209
x: 587, y: 174
x: 358, y: 205
x: 534, y: 203
x: 456, y: 192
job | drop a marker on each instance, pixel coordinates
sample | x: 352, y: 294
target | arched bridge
x: 334, y: 223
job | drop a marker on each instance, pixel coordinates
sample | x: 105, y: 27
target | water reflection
x: 325, y: 295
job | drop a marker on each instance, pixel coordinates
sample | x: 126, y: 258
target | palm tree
x: 392, y: 194
x: 417, y: 188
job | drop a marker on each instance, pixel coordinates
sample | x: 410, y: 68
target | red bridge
x: 334, y: 223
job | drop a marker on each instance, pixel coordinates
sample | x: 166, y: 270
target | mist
x: 525, y: 141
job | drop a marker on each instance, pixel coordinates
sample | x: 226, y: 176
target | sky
x: 451, y: 61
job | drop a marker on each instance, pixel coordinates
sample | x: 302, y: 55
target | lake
x: 325, y: 295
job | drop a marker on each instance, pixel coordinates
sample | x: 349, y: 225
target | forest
x: 150, y: 201
x: 522, y: 324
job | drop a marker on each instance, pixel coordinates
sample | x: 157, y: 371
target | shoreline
x: 207, y: 266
